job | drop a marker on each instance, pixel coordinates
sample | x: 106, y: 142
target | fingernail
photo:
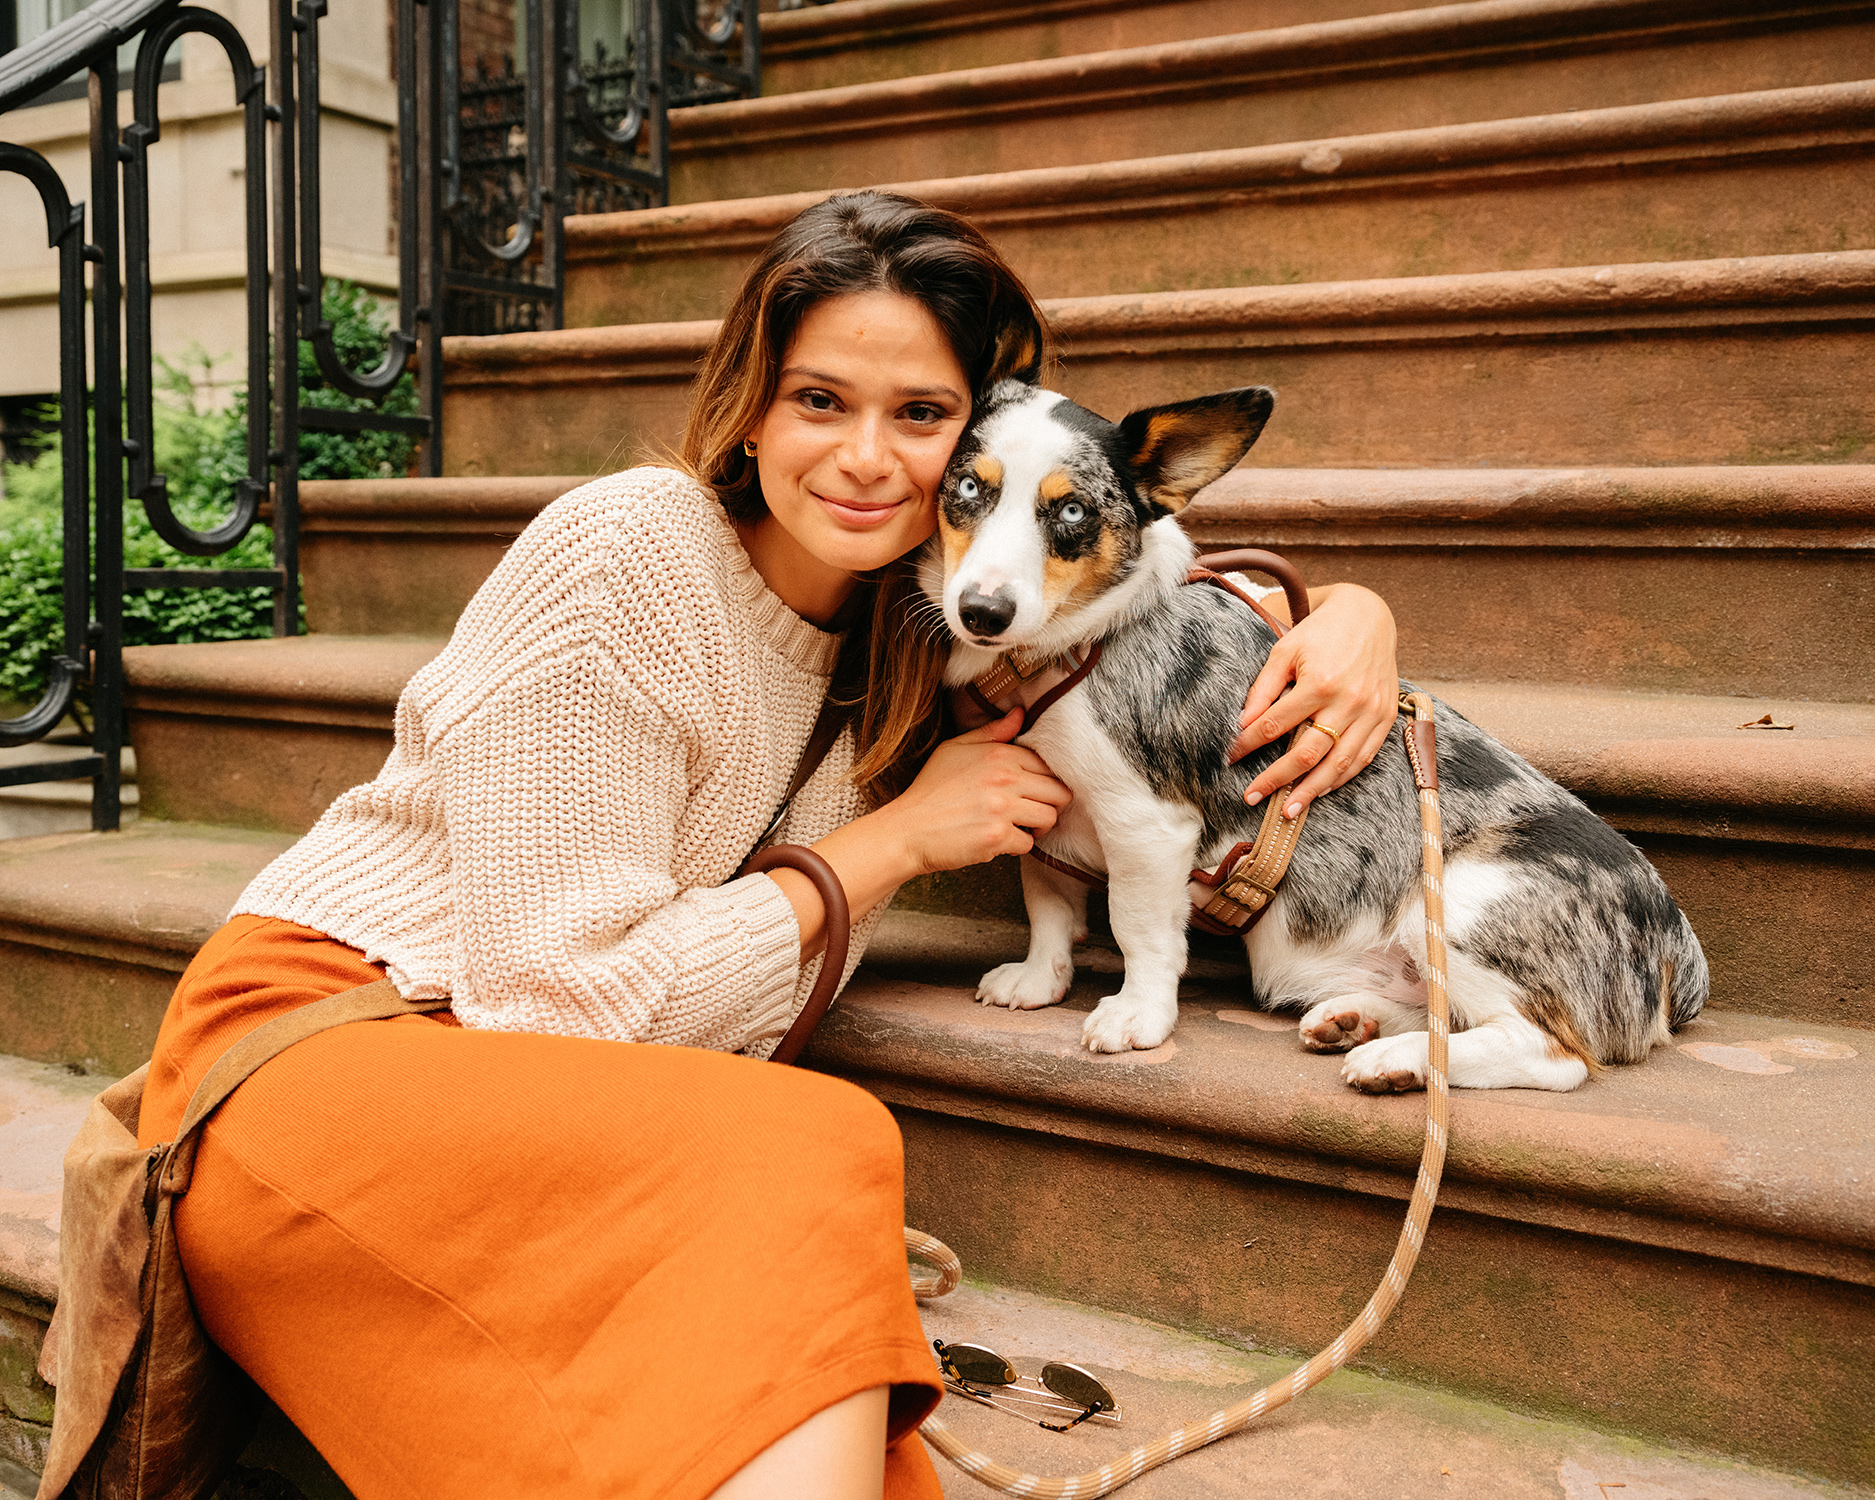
x: 1252, y: 798
x: 1293, y: 810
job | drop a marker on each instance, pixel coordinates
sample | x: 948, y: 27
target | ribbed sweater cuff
x: 767, y: 918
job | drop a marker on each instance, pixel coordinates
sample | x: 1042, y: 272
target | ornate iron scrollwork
x: 65, y: 232
x: 250, y: 85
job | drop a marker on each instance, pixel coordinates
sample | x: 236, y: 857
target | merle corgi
x: 1057, y: 530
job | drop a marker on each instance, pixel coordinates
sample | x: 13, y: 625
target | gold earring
x: 748, y: 446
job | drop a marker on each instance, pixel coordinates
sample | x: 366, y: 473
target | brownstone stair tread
x: 157, y: 887
x: 343, y: 675
x: 1165, y: 200
x: 41, y: 1108
x: 1726, y: 506
x: 863, y: 41
x: 1780, y: 505
x: 1739, y: 1140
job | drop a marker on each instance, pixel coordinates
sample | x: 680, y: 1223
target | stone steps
x: 1575, y: 366
x: 1683, y: 1248
x: 867, y: 41
x: 1777, y: 172
x: 1492, y: 60
x: 1432, y: 1438
x: 1740, y: 581
x: 1767, y: 838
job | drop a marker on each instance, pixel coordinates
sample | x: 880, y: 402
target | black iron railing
x: 491, y: 162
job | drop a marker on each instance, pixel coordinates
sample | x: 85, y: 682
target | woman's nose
x: 867, y: 452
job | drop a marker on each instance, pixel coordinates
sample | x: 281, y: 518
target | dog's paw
x: 1025, y: 986
x: 1336, y: 1025
x: 1121, y: 1024
x: 1392, y: 1065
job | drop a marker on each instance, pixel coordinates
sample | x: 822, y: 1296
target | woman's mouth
x: 860, y: 512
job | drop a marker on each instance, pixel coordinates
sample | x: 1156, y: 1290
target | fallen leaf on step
x: 1767, y: 722
x: 1445, y: 1471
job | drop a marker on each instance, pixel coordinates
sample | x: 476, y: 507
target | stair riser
x: 1620, y: 1334
x: 1578, y: 391
x: 90, y: 1004
x: 1735, y: 621
x: 387, y: 581
x: 1784, y: 927
x: 801, y: 50
x: 743, y: 151
x: 1505, y: 218
x: 272, y: 774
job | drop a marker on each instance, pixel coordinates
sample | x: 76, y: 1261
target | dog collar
x: 1034, y: 681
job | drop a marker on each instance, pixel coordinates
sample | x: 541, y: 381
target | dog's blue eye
x: 966, y: 489
x: 1073, y: 513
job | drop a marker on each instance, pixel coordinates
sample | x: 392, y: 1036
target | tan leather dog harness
x: 1228, y: 900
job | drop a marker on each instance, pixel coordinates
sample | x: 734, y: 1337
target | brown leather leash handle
x: 1256, y: 560
x: 839, y: 929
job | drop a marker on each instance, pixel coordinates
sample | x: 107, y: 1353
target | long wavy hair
x: 890, y: 667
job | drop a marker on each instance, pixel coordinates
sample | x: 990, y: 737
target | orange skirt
x: 473, y: 1262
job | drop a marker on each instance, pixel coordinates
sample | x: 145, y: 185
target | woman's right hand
x: 978, y: 796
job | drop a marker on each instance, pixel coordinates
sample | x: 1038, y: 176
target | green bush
x: 203, y: 453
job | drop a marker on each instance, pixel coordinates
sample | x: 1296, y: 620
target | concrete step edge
x: 1777, y: 121
x: 1679, y: 1151
x: 1290, y: 53
x: 1830, y: 286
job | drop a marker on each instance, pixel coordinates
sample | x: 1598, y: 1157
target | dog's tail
x: 1684, y: 980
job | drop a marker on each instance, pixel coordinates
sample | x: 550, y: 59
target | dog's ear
x: 1177, y: 450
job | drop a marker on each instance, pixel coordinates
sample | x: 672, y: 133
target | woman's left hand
x: 1337, y: 668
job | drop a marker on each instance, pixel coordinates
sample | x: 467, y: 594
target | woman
x: 491, y: 1250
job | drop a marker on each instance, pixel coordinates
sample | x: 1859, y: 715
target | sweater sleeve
x: 568, y: 916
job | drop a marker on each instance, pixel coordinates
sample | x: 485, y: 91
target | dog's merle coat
x: 1565, y: 949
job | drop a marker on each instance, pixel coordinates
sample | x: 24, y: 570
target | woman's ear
x: 1177, y: 450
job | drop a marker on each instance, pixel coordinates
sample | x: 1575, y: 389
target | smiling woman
x: 420, y: 1235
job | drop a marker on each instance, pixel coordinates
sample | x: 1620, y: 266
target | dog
x: 1057, y: 529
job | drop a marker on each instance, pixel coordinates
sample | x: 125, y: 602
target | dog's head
x: 1045, y: 505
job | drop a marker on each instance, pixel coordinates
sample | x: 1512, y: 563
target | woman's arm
x: 978, y: 796
x: 1338, y: 668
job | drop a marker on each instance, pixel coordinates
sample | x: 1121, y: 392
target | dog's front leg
x: 1149, y: 859
x: 1057, y: 908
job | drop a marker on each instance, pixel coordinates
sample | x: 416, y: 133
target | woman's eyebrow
x: 819, y: 377
x: 929, y: 390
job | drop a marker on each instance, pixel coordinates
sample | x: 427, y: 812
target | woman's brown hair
x: 890, y: 667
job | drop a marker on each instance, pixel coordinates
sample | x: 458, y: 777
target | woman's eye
x: 924, y: 416
x: 967, y: 489
x: 816, y: 400
x: 1072, y: 514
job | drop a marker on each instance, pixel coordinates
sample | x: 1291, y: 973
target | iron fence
x: 491, y: 160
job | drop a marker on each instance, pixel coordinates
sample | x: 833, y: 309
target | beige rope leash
x: 1109, y: 1477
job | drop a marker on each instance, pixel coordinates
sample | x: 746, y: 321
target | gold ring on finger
x: 1332, y: 734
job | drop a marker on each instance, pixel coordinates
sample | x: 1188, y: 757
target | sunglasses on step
x: 990, y: 1380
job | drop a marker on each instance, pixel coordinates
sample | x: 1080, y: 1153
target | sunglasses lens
x: 975, y: 1365
x: 1072, y: 1383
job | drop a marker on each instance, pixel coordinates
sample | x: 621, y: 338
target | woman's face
x: 868, y: 407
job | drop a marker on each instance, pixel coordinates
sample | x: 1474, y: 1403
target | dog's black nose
x: 986, y: 614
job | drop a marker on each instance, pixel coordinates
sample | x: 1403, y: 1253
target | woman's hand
x: 1337, y: 668
x: 978, y: 796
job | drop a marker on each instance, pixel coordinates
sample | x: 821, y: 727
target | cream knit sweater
x: 576, y: 778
